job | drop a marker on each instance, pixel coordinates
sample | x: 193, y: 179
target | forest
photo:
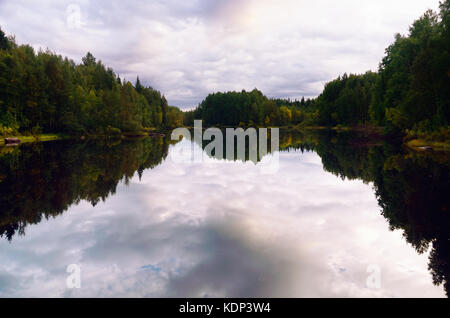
x: 44, y: 92
x: 409, y: 95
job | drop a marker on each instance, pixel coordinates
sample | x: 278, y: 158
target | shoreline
x: 53, y: 137
x: 32, y: 139
x: 417, y: 144
x: 421, y: 145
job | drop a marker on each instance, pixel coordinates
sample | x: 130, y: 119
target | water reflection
x: 224, y: 229
x: 44, y: 180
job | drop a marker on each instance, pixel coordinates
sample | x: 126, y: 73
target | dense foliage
x: 44, y: 91
x: 346, y: 100
x: 247, y: 109
x: 174, y: 117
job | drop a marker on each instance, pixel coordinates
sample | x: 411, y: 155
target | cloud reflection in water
x: 205, y: 230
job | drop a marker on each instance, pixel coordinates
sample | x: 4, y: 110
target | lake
x: 342, y: 216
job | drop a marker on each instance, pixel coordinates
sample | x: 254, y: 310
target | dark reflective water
x: 343, y: 216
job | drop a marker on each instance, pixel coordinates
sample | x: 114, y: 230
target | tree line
x: 410, y: 93
x: 43, y: 91
x: 248, y: 109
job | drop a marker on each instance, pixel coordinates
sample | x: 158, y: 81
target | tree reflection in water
x: 412, y: 189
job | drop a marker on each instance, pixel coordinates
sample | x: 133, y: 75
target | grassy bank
x: 145, y: 132
x: 30, y: 139
x: 370, y: 129
x: 438, y: 140
x: 427, y: 145
x: 115, y: 134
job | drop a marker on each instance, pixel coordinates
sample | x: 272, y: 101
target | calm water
x: 338, y: 219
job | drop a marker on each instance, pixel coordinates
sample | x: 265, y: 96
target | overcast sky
x: 189, y: 48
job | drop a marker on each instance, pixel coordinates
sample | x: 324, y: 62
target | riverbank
x: 425, y: 145
x: 419, y: 144
x: 26, y: 139
x: 366, y: 129
x: 31, y: 139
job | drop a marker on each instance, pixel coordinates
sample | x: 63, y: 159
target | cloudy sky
x: 189, y: 48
